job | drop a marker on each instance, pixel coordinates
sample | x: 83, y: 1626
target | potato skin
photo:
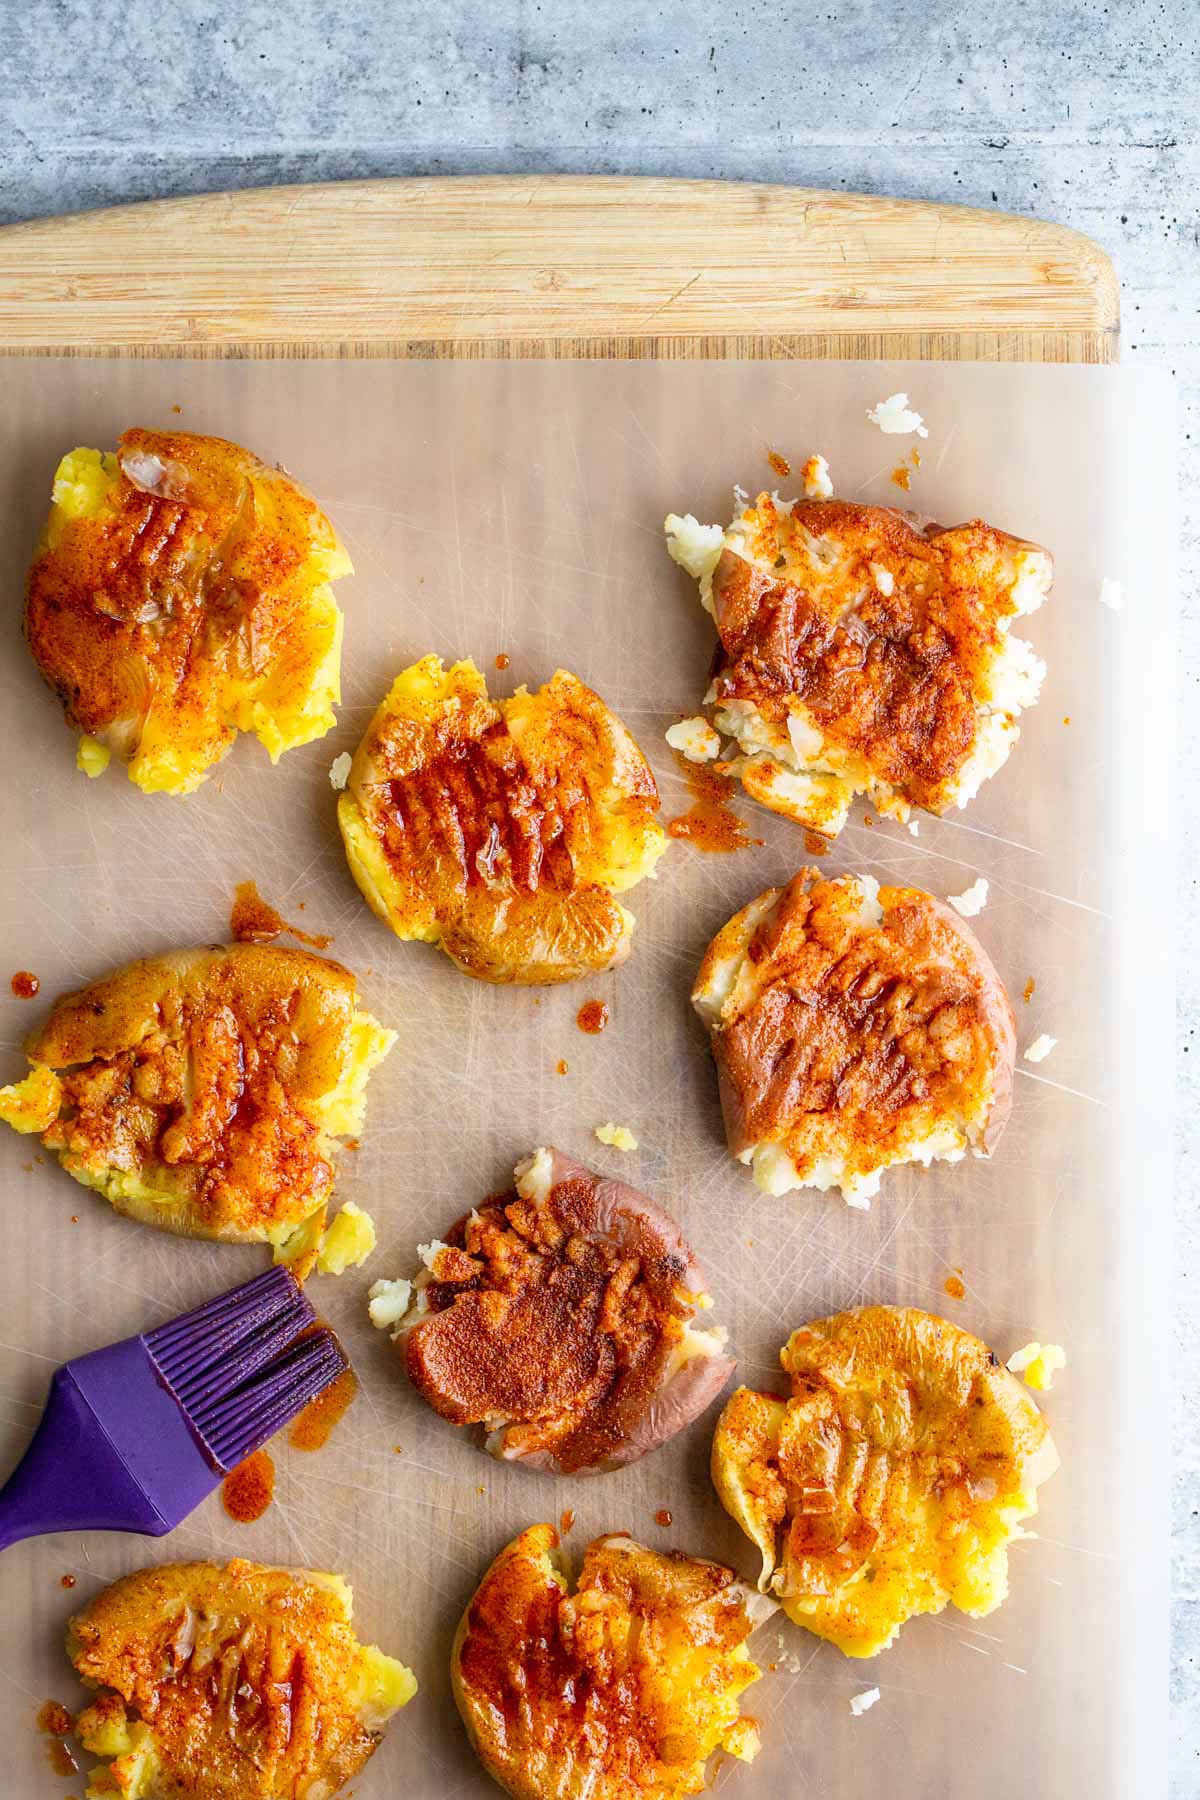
x: 555, y: 1323
x: 538, y: 1544
x: 838, y: 1035
x: 924, y: 922
x: 687, y: 1394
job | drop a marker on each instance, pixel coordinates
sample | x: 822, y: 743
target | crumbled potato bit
x: 383, y: 1685
x: 31, y: 1105
x: 298, y: 1245
x: 619, y: 1136
x: 104, y: 1730
x: 895, y: 417
x: 92, y: 757
x: 1038, y: 1364
x: 387, y: 1303
x: 818, y: 483
x: 972, y: 900
x: 695, y: 547
x: 348, y: 1242
x: 695, y: 739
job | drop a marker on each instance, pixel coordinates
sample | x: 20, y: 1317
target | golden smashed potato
x: 234, y: 1683
x: 180, y: 594
x: 201, y: 1092
x: 501, y: 831
x: 891, y: 1481
x: 626, y: 1685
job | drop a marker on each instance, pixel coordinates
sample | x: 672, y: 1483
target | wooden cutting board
x: 96, y: 874
x: 556, y: 266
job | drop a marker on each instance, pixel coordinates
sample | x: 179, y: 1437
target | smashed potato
x: 501, y: 831
x: 201, y: 1092
x: 561, y: 1319
x: 855, y: 1027
x: 180, y: 594
x: 891, y: 1481
x: 864, y: 650
x: 625, y: 1686
x: 235, y: 1683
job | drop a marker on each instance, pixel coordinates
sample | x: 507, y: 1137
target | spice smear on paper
x: 252, y: 920
x: 711, y: 824
x: 248, y: 1490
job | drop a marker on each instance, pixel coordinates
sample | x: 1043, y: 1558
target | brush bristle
x: 252, y: 1413
x: 235, y: 1367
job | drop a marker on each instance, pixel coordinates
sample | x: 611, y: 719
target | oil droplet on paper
x: 54, y: 1719
x: 248, y: 1490
x: 253, y: 920
x: 25, y: 984
x: 592, y: 1017
x: 319, y: 1417
x: 711, y: 824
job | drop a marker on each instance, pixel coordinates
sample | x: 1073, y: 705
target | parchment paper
x: 517, y: 508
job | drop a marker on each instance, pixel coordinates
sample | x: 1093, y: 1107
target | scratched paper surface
x: 517, y: 508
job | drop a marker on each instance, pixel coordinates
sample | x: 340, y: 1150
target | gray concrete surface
x: 1067, y: 109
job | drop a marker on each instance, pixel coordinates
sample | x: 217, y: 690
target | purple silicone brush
x: 135, y: 1435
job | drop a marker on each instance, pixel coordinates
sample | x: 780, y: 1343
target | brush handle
x: 71, y: 1477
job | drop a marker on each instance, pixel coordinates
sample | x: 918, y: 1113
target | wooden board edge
x: 892, y: 346
x: 463, y: 265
